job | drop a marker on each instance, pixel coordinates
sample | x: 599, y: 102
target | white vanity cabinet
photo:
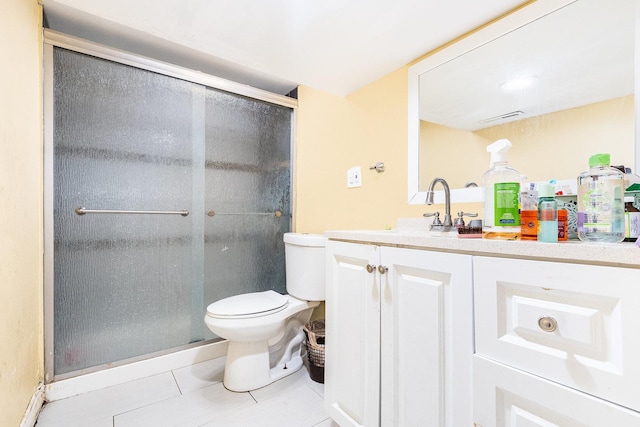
x: 557, y: 344
x: 399, y: 336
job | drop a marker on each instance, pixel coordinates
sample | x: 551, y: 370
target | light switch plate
x: 354, y: 177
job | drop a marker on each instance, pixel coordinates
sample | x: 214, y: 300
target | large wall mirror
x: 556, y: 78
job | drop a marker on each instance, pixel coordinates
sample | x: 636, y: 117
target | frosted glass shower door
x: 126, y: 284
x: 247, y: 195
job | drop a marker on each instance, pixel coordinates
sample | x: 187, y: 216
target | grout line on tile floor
x: 113, y: 417
x: 177, y: 383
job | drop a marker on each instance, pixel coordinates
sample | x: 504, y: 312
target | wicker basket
x: 314, y: 332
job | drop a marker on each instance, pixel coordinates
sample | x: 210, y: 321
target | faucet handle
x: 436, y: 219
x: 459, y: 221
x: 470, y: 214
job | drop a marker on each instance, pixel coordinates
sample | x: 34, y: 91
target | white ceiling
x: 337, y: 46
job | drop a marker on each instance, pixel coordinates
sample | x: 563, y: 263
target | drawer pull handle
x: 547, y: 323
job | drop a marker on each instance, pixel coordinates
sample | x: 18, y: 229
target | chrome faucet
x: 446, y: 224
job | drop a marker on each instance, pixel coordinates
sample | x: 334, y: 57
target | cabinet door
x: 426, y: 338
x: 507, y: 397
x: 352, y: 358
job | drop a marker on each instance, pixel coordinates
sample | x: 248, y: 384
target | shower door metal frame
x: 53, y: 39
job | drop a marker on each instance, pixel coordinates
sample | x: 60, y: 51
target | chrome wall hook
x: 379, y: 167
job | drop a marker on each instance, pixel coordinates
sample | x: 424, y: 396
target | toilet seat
x: 254, y: 304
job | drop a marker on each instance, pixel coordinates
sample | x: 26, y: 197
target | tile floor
x: 193, y: 396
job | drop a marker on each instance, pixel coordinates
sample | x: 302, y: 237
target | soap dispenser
x: 501, y: 195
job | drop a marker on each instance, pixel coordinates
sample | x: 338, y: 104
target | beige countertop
x: 623, y: 254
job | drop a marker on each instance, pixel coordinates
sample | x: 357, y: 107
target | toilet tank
x: 304, y: 262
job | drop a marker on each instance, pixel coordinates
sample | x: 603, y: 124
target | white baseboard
x: 133, y: 371
x: 33, y: 410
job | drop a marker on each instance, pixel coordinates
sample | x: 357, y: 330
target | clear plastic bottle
x: 547, y: 214
x: 501, y: 193
x: 601, y: 202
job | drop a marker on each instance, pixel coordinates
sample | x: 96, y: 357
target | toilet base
x: 247, y: 366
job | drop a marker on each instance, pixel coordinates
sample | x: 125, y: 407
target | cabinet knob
x: 382, y: 269
x: 547, y: 323
x: 371, y: 268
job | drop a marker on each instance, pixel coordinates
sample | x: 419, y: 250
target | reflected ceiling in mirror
x: 578, y: 55
x: 574, y: 53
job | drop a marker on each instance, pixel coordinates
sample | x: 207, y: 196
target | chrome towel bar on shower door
x: 81, y: 211
x: 277, y: 213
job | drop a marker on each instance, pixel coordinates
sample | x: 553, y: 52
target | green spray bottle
x: 501, y: 195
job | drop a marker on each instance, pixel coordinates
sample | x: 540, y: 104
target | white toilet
x: 264, y: 329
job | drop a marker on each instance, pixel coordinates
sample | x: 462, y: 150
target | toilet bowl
x: 264, y: 329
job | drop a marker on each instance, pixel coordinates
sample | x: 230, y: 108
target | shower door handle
x: 81, y: 211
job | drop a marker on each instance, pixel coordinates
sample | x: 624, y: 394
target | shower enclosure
x: 164, y: 191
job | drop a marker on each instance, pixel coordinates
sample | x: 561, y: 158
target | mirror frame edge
x: 504, y: 25
x: 636, y: 101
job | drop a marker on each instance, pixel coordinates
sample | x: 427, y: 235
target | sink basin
x: 421, y: 226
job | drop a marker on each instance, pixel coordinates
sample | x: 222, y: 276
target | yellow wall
x: 335, y: 133
x: 459, y: 156
x: 21, y: 348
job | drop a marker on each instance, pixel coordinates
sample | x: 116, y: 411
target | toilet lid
x: 249, y: 305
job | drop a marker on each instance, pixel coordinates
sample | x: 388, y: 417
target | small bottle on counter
x: 631, y: 220
x: 529, y: 214
x: 547, y: 214
x: 563, y: 225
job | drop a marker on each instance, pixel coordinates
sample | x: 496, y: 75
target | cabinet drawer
x: 507, y: 397
x: 569, y: 323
